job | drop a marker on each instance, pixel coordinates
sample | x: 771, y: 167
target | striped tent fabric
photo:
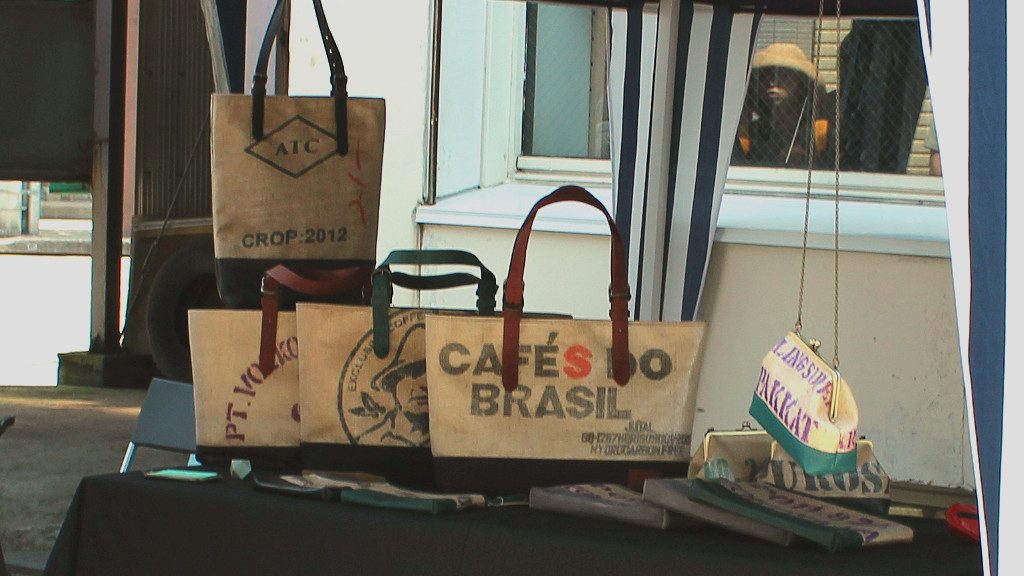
x: 970, y: 66
x: 678, y: 71
x: 678, y: 76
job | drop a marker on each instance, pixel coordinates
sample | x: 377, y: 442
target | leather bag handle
x: 339, y: 82
x: 384, y: 279
x: 315, y: 282
x: 618, y: 292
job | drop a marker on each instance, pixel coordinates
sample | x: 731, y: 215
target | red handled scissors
x: 963, y: 519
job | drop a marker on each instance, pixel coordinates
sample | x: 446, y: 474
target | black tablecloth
x: 128, y: 524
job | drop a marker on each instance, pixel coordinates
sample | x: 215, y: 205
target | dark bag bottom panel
x: 410, y: 467
x: 506, y: 476
x: 270, y: 459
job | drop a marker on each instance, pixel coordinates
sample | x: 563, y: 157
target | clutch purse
x: 800, y: 399
x: 866, y: 488
x: 749, y: 455
x: 805, y: 404
x: 739, y: 455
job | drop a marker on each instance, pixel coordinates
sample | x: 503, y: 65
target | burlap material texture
x: 236, y: 405
x: 290, y: 195
x: 567, y: 405
x: 348, y: 394
x: 869, y: 481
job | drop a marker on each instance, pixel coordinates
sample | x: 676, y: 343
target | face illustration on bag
x: 405, y: 381
x: 383, y: 401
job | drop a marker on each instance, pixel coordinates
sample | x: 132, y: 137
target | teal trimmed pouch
x: 807, y: 407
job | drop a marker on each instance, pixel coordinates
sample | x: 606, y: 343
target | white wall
x: 386, y: 49
x: 898, y: 337
x: 898, y: 347
x: 554, y: 282
x: 257, y: 15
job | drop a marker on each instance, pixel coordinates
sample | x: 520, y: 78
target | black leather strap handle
x: 339, y: 82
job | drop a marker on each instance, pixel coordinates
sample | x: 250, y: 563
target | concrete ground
x: 61, y: 434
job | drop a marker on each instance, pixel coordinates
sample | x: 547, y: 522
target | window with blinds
x: 884, y: 110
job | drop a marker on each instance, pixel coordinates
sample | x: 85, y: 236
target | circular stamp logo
x: 383, y: 401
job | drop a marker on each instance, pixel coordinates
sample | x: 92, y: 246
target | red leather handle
x: 314, y: 282
x: 618, y: 292
x: 317, y: 282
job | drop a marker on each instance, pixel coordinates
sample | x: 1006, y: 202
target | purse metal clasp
x: 814, y: 344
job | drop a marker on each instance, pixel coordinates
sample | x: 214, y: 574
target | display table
x: 128, y: 524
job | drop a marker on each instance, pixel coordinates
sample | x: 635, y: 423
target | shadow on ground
x: 61, y: 434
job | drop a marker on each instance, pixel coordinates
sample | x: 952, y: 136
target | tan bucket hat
x: 784, y: 55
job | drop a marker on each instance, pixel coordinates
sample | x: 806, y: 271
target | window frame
x: 891, y: 213
x: 503, y: 162
x: 502, y: 159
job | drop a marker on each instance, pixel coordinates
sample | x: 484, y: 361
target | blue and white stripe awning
x: 676, y: 104
x: 970, y: 68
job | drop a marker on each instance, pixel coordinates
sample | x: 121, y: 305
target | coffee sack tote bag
x: 363, y: 387
x: 296, y: 180
x: 240, y: 411
x: 246, y: 373
x: 519, y: 402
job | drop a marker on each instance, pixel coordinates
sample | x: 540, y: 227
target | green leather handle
x: 439, y: 282
x: 384, y: 280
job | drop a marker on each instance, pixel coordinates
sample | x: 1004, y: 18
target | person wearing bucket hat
x: 777, y: 112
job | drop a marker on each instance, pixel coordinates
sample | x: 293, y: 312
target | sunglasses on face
x: 781, y: 77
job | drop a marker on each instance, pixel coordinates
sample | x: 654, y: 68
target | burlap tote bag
x: 516, y: 402
x: 246, y: 375
x: 296, y: 180
x: 240, y: 411
x: 362, y: 377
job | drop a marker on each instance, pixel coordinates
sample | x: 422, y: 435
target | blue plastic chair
x: 167, y: 421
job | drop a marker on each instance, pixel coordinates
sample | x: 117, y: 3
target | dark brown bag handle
x: 618, y: 292
x: 339, y: 82
x: 316, y: 282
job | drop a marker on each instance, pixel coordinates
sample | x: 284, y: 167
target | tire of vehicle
x: 185, y: 280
